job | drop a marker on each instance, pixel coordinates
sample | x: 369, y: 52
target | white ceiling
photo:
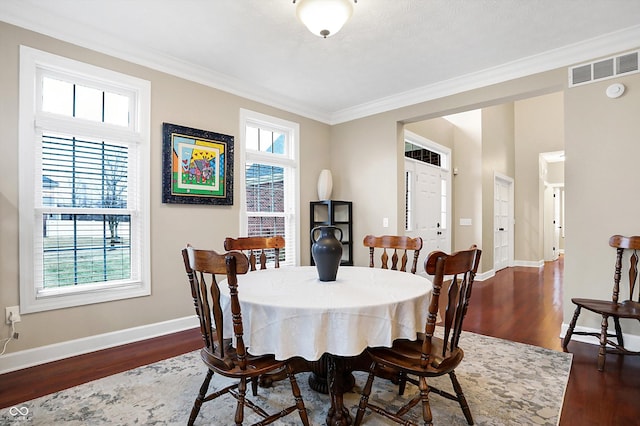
x: 391, y: 53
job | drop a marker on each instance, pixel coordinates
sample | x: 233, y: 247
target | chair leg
x: 242, y: 392
x: 254, y: 386
x: 461, y: 399
x: 616, y: 322
x: 424, y: 397
x: 602, y: 353
x: 402, y: 383
x: 295, y: 389
x: 200, y: 398
x: 364, y: 399
x: 572, y: 325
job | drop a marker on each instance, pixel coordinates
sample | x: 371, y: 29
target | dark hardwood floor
x: 518, y: 304
x: 23, y: 385
x: 525, y: 305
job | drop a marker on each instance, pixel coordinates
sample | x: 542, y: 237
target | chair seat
x: 626, y: 309
x: 229, y: 367
x: 404, y: 355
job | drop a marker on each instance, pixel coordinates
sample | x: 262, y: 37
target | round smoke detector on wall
x: 615, y: 90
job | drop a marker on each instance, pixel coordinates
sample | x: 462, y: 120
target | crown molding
x: 587, y: 50
x: 26, y: 16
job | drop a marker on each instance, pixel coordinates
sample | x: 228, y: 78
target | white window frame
x: 32, y: 121
x: 290, y: 160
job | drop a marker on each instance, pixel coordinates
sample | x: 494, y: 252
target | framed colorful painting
x: 197, y: 166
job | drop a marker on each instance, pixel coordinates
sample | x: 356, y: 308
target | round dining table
x: 289, y: 312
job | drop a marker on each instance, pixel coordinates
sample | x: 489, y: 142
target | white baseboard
x: 30, y: 357
x: 631, y: 341
x: 526, y: 263
x: 529, y: 263
x: 485, y: 275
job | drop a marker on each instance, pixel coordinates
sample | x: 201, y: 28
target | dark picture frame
x: 197, y: 166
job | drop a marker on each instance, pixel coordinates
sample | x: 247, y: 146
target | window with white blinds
x: 269, y: 189
x: 84, y: 149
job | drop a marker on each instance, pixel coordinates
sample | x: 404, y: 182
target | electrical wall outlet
x: 12, y: 312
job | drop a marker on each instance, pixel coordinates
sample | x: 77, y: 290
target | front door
x: 428, y: 207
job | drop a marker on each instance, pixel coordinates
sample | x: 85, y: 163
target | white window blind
x: 84, y: 144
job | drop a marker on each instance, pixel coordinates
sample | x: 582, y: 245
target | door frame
x: 445, y: 170
x: 511, y: 234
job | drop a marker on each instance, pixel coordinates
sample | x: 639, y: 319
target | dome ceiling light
x: 324, y: 18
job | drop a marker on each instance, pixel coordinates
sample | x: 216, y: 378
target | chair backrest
x: 396, y: 243
x: 462, y: 266
x: 257, y: 245
x: 621, y: 244
x: 201, y: 267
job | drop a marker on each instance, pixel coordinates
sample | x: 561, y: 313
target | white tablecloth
x: 290, y: 312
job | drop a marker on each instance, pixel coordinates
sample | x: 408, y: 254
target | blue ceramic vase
x: 326, y: 251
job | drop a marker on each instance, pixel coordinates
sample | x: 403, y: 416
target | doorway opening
x: 552, y: 188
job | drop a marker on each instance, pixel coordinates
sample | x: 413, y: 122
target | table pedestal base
x: 332, y: 375
x: 319, y: 374
x: 337, y: 368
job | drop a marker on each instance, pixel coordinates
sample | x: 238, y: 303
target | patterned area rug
x: 505, y: 383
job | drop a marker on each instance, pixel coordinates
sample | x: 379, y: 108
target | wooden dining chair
x: 257, y: 249
x: 430, y: 356
x: 401, y: 247
x: 260, y: 250
x: 220, y: 355
x: 614, y: 308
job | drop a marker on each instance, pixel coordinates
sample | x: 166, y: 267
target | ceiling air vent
x: 604, y: 69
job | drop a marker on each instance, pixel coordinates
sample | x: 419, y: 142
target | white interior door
x: 503, y: 222
x: 556, y: 223
x: 428, y: 204
x: 552, y: 223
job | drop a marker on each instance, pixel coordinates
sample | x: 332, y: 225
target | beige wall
x: 555, y: 172
x: 173, y: 100
x: 366, y: 166
x: 539, y: 127
x: 467, y: 184
x: 601, y: 175
x: 438, y: 130
x: 498, y: 156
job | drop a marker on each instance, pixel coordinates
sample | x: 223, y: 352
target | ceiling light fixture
x: 324, y: 18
